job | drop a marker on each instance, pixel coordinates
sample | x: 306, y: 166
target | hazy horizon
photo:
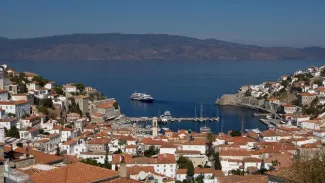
x: 264, y: 23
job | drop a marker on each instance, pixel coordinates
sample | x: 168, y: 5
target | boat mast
x: 201, y: 112
x: 195, y: 112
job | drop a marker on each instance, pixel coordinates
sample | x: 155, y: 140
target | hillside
x: 114, y: 46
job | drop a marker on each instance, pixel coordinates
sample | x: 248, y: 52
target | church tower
x: 154, y: 127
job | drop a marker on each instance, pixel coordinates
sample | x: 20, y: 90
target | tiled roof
x: 18, y: 102
x: 244, y: 179
x: 234, y: 153
x: 99, y: 141
x: 307, y: 94
x: 74, y: 173
x: 122, y: 180
x: 70, y: 142
x: 181, y: 171
x: 40, y: 157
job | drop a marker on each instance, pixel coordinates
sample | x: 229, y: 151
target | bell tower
x: 154, y: 126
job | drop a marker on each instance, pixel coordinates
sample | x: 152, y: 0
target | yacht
x: 166, y: 116
x: 141, y: 97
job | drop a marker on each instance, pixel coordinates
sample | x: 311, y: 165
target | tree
x: 46, y: 103
x: 210, y: 138
x: 122, y: 143
x: 11, y: 115
x: 13, y: 132
x: 58, y: 89
x: 116, y: 105
x: 58, y: 151
x: 235, y: 133
x: 216, y: 161
x: 184, y: 163
x: 42, y: 81
x: 151, y: 151
x: 314, y: 102
x: 199, y: 179
x: 79, y: 86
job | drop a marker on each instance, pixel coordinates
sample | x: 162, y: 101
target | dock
x: 145, y: 119
x: 270, y: 122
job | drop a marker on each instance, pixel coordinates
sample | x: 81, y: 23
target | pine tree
x: 216, y: 159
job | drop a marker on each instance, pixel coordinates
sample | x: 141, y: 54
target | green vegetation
x: 11, y: 115
x: 216, y: 161
x: 79, y: 86
x: 93, y: 162
x: 58, y: 89
x: 237, y: 172
x: 12, y: 132
x: 58, y: 150
x: 151, y: 151
x: 185, y: 163
x: 122, y: 143
x: 235, y: 133
x: 74, y: 107
x: 40, y: 80
x: 116, y: 105
x: 96, y: 96
x: 210, y: 139
x: 19, y: 79
x: 199, y: 179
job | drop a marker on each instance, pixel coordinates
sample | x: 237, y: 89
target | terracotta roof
x: 3, y: 91
x: 70, y: 142
x: 40, y: 157
x: 107, y: 104
x: 43, y: 140
x: 8, y: 120
x: 18, y: 102
x: 31, y: 171
x: 168, y: 145
x: 29, y: 74
x: 122, y: 180
x: 74, y: 173
x: 234, y: 153
x: 181, y: 171
x: 33, y: 130
x: 67, y: 129
x: 52, y: 135
x: 32, y: 117
x: 244, y: 179
x: 99, y: 141
x: 320, y: 89
x: 187, y: 152
x: 131, y: 146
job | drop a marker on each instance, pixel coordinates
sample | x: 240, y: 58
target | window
x: 171, y: 166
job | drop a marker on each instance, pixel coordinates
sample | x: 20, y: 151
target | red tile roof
x: 74, y: 173
x: 18, y: 102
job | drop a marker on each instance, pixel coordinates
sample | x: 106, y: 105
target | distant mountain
x: 114, y: 46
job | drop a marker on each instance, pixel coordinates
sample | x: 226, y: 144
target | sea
x: 179, y: 86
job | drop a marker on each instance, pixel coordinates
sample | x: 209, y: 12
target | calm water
x: 178, y: 86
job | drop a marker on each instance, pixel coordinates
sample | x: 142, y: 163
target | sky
x: 296, y: 23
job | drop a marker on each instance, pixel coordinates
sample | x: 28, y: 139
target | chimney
x: 123, y: 171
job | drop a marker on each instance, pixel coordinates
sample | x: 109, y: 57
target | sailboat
x: 217, y: 118
x: 201, y: 113
x: 203, y: 128
x: 195, y: 119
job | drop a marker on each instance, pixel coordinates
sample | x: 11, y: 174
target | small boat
x: 211, y: 119
x: 217, y: 119
x: 165, y: 129
x: 179, y: 120
x: 205, y: 129
x: 195, y: 119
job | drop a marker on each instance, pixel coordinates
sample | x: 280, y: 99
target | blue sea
x: 177, y: 86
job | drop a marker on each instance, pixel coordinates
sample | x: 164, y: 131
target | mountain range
x: 115, y: 46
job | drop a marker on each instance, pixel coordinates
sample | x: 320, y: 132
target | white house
x: 164, y: 164
x: 3, y: 95
x: 70, y: 88
x: 8, y: 123
x: 194, y: 146
x: 98, y: 156
x: 29, y: 134
x: 69, y: 146
x: 131, y: 149
x: 311, y: 124
x: 50, y: 85
x: 66, y: 134
x: 32, y: 86
x: 19, y: 108
x: 319, y: 133
x: 167, y: 148
x: 30, y: 121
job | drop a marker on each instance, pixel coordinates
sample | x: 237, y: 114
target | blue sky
x: 262, y: 22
